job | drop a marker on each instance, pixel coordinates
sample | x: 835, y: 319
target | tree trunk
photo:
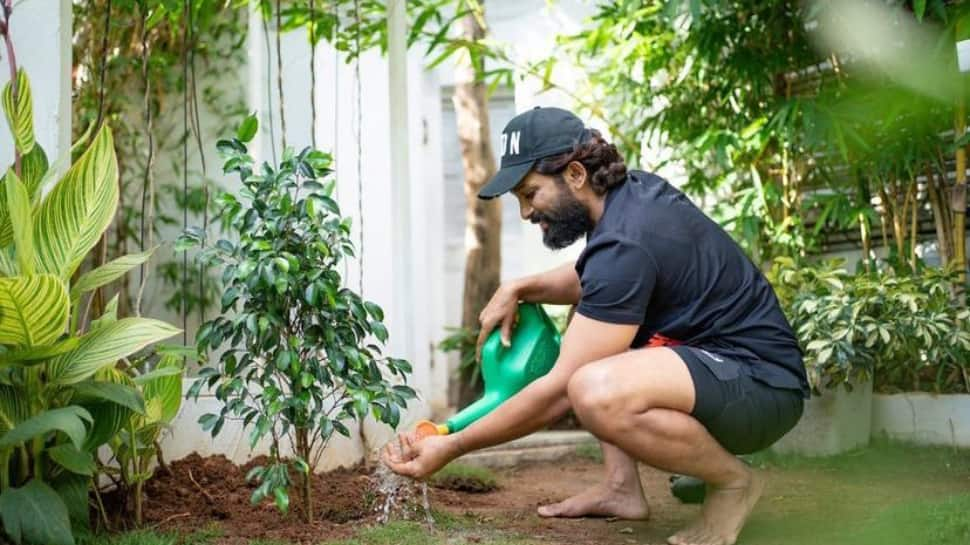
x: 303, y: 451
x: 483, y: 219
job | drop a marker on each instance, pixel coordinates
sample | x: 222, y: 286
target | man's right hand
x: 500, y: 310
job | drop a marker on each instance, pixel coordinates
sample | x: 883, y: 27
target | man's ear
x: 576, y: 175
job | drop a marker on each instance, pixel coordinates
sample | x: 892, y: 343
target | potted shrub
x: 300, y: 354
x: 838, y: 340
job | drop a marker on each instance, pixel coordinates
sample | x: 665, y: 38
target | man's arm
x: 545, y: 400
x: 560, y: 286
x: 535, y: 407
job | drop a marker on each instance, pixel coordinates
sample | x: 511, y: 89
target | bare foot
x: 625, y: 502
x: 725, y: 511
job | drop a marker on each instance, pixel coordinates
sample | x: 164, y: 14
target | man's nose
x: 526, y: 210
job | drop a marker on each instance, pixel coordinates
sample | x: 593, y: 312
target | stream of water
x: 400, y: 497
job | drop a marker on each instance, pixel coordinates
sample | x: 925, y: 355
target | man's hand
x: 501, y: 309
x: 420, y: 458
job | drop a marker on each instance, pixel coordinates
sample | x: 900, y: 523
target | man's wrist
x: 518, y: 287
x: 457, y: 444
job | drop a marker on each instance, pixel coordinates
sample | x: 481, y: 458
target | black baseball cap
x: 528, y: 137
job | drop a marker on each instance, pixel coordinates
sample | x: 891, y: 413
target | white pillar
x: 41, y: 34
x: 405, y: 305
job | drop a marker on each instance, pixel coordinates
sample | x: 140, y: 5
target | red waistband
x: 660, y: 340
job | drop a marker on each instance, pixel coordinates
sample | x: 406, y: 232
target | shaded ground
x: 887, y: 495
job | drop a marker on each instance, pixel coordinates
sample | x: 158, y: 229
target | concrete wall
x: 922, y: 418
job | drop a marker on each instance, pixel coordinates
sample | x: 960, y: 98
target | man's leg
x: 641, y: 402
x: 620, y: 494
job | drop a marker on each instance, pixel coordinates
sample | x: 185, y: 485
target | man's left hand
x: 420, y: 458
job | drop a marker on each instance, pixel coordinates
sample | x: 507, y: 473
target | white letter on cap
x: 505, y: 139
x: 514, y: 142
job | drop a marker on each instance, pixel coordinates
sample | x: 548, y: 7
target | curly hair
x: 602, y: 161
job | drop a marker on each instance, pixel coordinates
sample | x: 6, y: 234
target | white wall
x: 41, y: 35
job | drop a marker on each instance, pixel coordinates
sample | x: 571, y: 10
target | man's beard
x: 568, y: 221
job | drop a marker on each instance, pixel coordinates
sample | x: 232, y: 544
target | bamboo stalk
x: 939, y: 219
x: 958, y: 202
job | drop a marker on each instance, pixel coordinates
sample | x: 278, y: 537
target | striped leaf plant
x: 61, y: 395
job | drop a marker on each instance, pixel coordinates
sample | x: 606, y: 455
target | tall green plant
x: 299, y: 353
x: 58, y: 403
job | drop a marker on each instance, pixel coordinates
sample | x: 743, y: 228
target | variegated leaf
x: 18, y: 204
x: 33, y: 310
x: 20, y: 113
x: 70, y: 220
x: 108, y: 272
x: 105, y: 346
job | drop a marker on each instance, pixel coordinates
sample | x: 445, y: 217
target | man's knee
x: 599, y: 399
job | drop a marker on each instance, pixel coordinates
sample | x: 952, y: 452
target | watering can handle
x: 493, y: 347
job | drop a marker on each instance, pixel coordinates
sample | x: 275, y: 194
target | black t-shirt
x: 656, y: 260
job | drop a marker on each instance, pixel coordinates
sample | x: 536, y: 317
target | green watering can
x: 533, y: 350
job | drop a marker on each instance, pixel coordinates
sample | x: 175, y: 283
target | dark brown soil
x: 201, y: 491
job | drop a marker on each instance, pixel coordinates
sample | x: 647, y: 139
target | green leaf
x: 18, y: 206
x: 73, y: 490
x: 145, y: 378
x: 70, y: 458
x: 282, y: 499
x: 34, y: 356
x: 108, y: 272
x: 33, y: 167
x: 109, y: 419
x: 119, y: 394
x: 70, y: 220
x: 14, y: 407
x: 247, y: 129
x: 919, y: 9
x: 33, y: 310
x: 166, y: 386
x: 69, y: 420
x: 105, y: 346
x: 35, y: 514
x: 19, y: 112
x: 109, y: 316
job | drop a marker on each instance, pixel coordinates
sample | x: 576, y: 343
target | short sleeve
x: 617, y: 278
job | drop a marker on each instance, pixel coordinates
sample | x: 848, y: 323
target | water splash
x: 400, y: 497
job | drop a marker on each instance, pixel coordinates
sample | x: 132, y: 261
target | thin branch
x: 313, y: 75
x: 148, y: 194
x: 279, y: 74
x: 104, y: 64
x: 14, y: 90
x: 269, y: 87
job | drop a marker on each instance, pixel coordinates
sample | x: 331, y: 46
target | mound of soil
x: 199, y: 491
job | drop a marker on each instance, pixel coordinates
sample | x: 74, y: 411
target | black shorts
x: 743, y: 414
